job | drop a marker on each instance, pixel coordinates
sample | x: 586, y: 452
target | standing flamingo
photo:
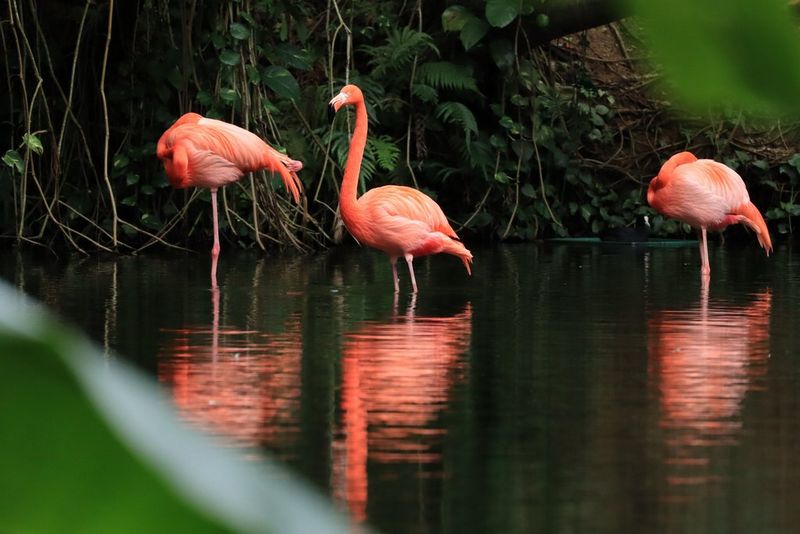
x: 707, y: 195
x: 398, y: 220
x: 202, y: 152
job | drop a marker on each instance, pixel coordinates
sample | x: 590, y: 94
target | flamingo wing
x: 410, y: 205
x: 702, y: 193
x: 251, y: 153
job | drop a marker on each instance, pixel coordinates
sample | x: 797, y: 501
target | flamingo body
x: 707, y: 195
x: 398, y: 220
x: 201, y: 152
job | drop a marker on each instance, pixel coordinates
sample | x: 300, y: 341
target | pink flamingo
x: 202, y: 152
x: 707, y: 195
x: 398, y: 220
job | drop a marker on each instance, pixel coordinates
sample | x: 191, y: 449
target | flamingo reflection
x: 242, y: 384
x: 396, y: 381
x: 703, y: 361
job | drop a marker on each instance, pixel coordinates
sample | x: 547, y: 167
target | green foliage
x: 458, y: 113
x: 515, y: 141
x: 90, y: 445
x: 743, y: 54
x: 447, y: 75
x: 400, y: 49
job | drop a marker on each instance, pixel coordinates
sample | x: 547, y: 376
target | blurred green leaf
x: 473, y: 31
x: 292, y: 56
x: 726, y: 53
x: 500, y: 13
x: 282, y: 82
x: 175, y: 78
x: 454, y: 18
x: 33, y: 143
x: 90, y: 445
x: 239, y: 31
x: 14, y: 160
x: 528, y: 191
x: 229, y: 57
x: 228, y: 95
x: 542, y: 20
x: 120, y: 161
x: 502, y: 52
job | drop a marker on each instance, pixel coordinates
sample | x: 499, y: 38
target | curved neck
x: 349, y: 192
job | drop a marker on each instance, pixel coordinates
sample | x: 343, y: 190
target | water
x: 562, y: 388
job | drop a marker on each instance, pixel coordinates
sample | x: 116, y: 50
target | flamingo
x: 201, y: 152
x: 398, y: 220
x: 707, y: 195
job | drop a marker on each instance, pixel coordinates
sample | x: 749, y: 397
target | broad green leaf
x: 175, y: 78
x: 740, y: 53
x: 282, y: 82
x: 502, y: 177
x: 205, y: 98
x: 120, y: 161
x: 500, y: 13
x: 292, y: 56
x: 794, y: 161
x: 472, y: 32
x: 90, y: 445
x: 502, y: 52
x: 14, y: 160
x: 33, y: 143
x: 253, y: 75
x: 523, y: 149
x: 542, y: 20
x: 129, y: 200
x: 228, y: 94
x: 528, y: 191
x: 239, y: 31
x: 229, y: 57
x: 454, y: 18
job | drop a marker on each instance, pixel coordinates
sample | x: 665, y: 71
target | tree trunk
x: 570, y: 16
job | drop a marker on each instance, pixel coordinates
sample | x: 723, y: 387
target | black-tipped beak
x: 331, y: 112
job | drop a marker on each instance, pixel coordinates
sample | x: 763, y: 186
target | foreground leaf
x: 715, y: 53
x: 89, y: 445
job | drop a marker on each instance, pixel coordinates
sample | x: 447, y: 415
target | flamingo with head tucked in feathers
x: 398, y: 220
x: 201, y: 152
x: 706, y: 195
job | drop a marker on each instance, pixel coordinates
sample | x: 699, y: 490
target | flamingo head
x: 349, y: 95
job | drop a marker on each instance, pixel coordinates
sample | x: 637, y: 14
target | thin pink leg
x: 705, y: 267
x: 395, y: 279
x: 409, y: 260
x: 215, y: 248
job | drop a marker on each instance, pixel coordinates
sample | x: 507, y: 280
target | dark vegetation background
x: 518, y: 131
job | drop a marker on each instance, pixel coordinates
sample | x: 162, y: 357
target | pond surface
x: 564, y: 387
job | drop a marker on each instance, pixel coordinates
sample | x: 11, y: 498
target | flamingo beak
x: 338, y: 101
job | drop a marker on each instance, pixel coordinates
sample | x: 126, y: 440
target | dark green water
x: 561, y: 388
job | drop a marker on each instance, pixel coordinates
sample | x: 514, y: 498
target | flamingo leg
x: 705, y: 266
x: 409, y: 261
x: 395, y: 278
x: 215, y: 248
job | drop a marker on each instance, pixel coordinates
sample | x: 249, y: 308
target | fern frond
x: 425, y: 93
x: 384, y: 151
x: 457, y: 113
x: 399, y: 50
x: 447, y: 75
